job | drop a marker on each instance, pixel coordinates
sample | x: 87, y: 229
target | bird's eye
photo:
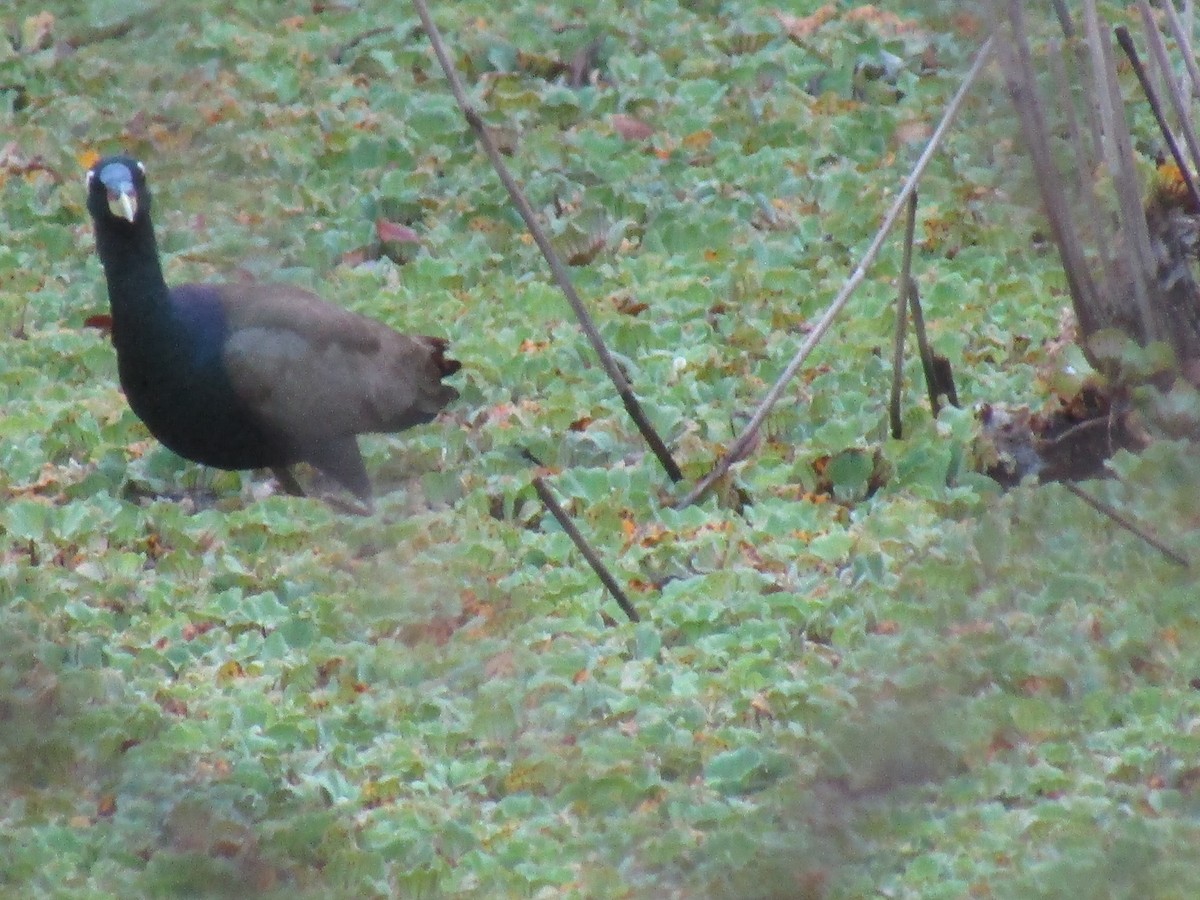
x: 141, y: 168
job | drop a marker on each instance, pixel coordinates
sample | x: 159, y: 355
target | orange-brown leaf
x: 628, y: 305
x: 100, y: 321
x: 631, y: 128
x: 800, y: 27
x: 394, y: 232
x: 37, y: 32
x: 884, y: 20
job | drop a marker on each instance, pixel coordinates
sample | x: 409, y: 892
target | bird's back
x: 313, y: 370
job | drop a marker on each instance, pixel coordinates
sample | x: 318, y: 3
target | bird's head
x: 117, y: 188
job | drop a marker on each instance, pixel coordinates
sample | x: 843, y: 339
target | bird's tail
x: 443, y: 363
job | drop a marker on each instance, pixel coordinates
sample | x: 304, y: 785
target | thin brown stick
x: 1125, y: 41
x: 1158, y: 52
x: 1081, y: 173
x: 1016, y: 64
x: 1128, y: 524
x: 928, y: 364
x: 1183, y: 39
x: 1091, y: 107
x: 561, y: 276
x: 1099, y: 96
x: 1126, y: 183
x: 910, y: 227
x: 738, y: 449
x: 547, y: 497
x: 338, y: 54
x: 1064, y: 18
x: 1097, y: 428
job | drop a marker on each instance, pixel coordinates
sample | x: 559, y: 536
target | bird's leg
x: 340, y: 460
x: 287, y: 481
x: 350, y: 507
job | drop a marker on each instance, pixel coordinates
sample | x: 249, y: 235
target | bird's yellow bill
x: 123, y: 204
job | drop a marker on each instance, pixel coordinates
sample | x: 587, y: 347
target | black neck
x: 136, y: 287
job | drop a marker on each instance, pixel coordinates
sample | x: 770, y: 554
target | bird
x: 252, y: 375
